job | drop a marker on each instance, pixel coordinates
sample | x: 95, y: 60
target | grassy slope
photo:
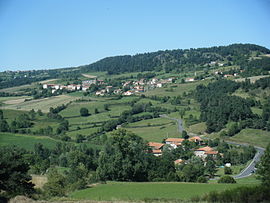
x: 26, y: 141
x: 252, y: 136
x: 140, y: 191
x: 154, y: 129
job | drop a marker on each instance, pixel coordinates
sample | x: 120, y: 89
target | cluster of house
x: 202, y: 152
x: 56, y: 87
x: 226, y: 75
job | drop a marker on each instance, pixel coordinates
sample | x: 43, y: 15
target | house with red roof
x: 174, y: 142
x: 203, y: 152
x: 155, y: 148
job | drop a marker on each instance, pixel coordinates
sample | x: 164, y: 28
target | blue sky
x: 41, y: 34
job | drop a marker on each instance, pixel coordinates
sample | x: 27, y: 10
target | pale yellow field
x: 252, y: 79
x: 42, y: 104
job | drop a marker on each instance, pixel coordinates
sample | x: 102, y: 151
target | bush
x: 240, y: 194
x: 226, y: 179
x: 202, y: 179
x: 227, y: 170
x: 84, y: 112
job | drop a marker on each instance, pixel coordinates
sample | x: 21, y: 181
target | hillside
x: 178, y: 60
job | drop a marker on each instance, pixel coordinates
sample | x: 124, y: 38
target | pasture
x: 26, y: 141
x: 154, y: 130
x: 175, y: 89
x: 252, y: 136
x: 135, y: 191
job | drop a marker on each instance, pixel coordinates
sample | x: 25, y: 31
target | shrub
x: 202, y: 179
x: 84, y: 112
x: 227, y: 170
x: 226, y: 179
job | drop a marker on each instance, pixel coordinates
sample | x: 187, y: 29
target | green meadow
x: 114, y: 191
x: 26, y: 141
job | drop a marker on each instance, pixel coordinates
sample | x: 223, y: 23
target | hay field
x: 42, y: 104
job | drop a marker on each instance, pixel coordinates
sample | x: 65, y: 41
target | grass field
x: 154, y: 130
x: 42, y: 104
x: 178, y: 90
x: 252, y: 136
x: 143, y: 191
x: 26, y: 141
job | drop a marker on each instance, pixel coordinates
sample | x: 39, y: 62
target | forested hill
x: 177, y: 60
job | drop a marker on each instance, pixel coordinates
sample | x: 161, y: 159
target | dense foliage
x: 218, y: 107
x: 14, y: 177
x: 175, y: 60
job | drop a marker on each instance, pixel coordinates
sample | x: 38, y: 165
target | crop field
x: 42, y: 104
x: 26, y: 141
x: 252, y: 136
x: 18, y: 88
x: 143, y: 191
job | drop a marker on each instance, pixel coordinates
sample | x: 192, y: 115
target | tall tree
x: 123, y: 158
x: 14, y: 178
x: 264, y: 167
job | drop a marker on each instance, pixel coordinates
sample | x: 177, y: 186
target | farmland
x: 42, y: 104
x: 26, y: 141
x: 143, y: 191
x: 252, y: 136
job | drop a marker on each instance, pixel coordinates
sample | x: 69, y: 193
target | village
x: 202, y: 152
x: 128, y: 88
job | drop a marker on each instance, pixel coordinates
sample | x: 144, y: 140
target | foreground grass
x: 142, y: 191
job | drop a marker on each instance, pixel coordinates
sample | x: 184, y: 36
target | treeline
x: 177, y: 60
x: 218, y: 107
x: 256, y: 67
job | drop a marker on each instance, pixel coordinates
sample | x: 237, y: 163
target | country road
x: 251, y: 167
x: 249, y: 170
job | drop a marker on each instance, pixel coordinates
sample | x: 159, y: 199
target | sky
x: 43, y: 34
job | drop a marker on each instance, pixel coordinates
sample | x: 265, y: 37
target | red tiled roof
x: 175, y: 140
x: 196, y: 138
x: 178, y: 161
x: 206, y: 149
x: 212, y: 152
x: 156, y: 151
x: 156, y: 145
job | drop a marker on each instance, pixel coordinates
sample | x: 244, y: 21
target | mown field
x: 42, y: 104
x: 143, y: 191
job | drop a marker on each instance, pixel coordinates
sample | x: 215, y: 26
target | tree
x: 96, y: 111
x: 56, y: 185
x: 106, y: 107
x: 84, y: 112
x: 4, y: 127
x: 210, y: 167
x: 264, y: 167
x: 1, y: 114
x: 123, y: 158
x: 226, y: 179
x: 14, y: 178
x: 227, y: 171
x: 185, y: 135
